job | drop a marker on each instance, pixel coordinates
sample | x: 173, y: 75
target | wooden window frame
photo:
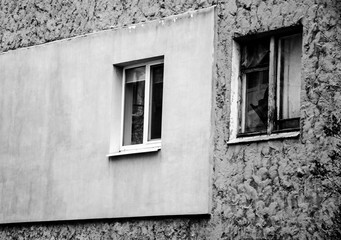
x: 238, y: 91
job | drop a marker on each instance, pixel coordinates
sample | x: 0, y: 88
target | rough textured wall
x: 172, y: 228
x: 266, y: 190
x: 273, y: 189
x: 31, y: 22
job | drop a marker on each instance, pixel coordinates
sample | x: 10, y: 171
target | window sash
x: 134, y: 109
x: 244, y: 97
x: 147, y: 106
x: 274, y: 122
x: 255, y: 110
x: 288, y: 108
x: 155, y: 106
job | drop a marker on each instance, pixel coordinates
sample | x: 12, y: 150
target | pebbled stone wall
x: 276, y: 189
x: 171, y: 228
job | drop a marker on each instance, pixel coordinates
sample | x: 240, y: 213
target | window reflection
x: 134, y: 106
x: 156, y: 101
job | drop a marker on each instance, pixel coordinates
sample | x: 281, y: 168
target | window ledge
x: 135, y: 151
x: 263, y: 137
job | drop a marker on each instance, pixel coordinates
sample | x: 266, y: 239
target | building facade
x: 170, y: 119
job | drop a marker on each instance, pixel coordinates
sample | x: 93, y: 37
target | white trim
x: 141, y: 64
x: 145, y: 149
x: 263, y: 137
x: 122, y: 109
x: 242, y: 105
x: 147, y: 144
x: 278, y: 79
x: 235, y: 84
x: 142, y: 145
x: 237, y: 102
x: 271, y: 86
x: 146, y: 105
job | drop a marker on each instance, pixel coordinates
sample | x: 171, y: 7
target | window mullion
x: 278, y: 81
x: 123, y: 108
x: 146, y: 105
x: 272, y: 86
x: 243, y: 103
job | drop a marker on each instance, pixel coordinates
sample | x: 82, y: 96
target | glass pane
x: 133, y: 107
x: 256, y: 54
x: 135, y: 74
x: 256, y: 101
x: 156, y: 101
x: 290, y: 81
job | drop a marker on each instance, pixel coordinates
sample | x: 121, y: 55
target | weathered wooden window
x: 270, y: 75
x: 143, y: 92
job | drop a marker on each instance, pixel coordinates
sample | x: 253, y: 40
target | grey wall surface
x: 61, y: 115
x: 262, y: 190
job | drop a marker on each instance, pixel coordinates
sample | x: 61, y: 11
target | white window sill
x: 135, y: 151
x: 263, y: 137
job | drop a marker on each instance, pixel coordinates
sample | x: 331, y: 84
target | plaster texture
x: 262, y: 190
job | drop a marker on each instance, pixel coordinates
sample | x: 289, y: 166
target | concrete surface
x: 61, y: 116
x: 262, y: 190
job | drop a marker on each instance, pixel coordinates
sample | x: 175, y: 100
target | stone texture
x: 265, y: 190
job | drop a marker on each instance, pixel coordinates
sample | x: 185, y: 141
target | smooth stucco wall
x: 60, y: 117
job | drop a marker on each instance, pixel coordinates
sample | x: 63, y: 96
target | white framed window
x: 142, y: 90
x: 266, y: 85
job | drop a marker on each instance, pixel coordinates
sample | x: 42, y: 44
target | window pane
x: 156, y: 101
x: 134, y: 106
x: 256, y: 101
x: 135, y: 74
x: 290, y: 81
x: 256, y: 54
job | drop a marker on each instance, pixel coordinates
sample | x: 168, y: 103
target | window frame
x: 146, y: 145
x: 238, y: 89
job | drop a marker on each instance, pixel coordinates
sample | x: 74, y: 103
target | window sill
x: 135, y: 151
x: 263, y: 137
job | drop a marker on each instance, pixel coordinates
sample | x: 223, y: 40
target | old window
x: 269, y: 84
x: 142, y: 110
